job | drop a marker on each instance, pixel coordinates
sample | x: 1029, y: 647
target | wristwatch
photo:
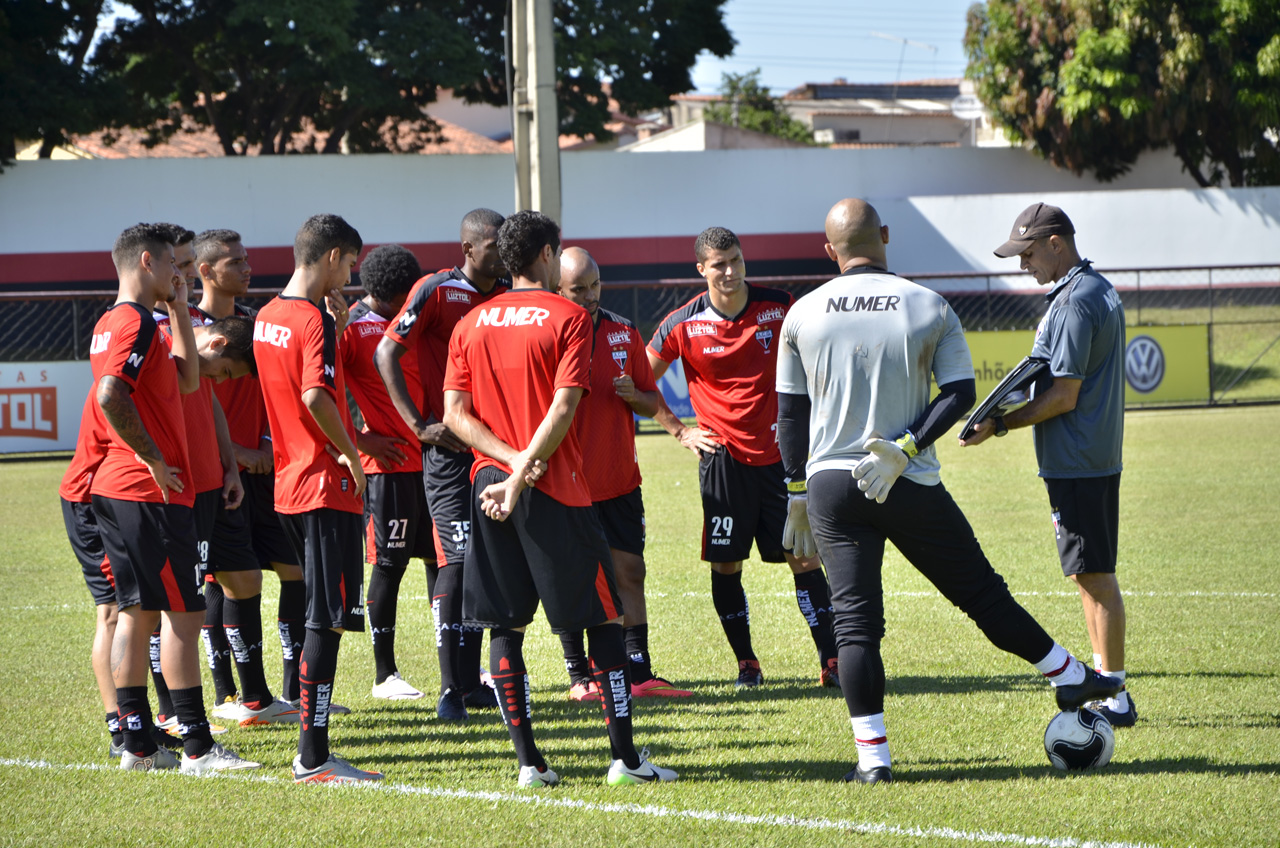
x: 1001, y: 429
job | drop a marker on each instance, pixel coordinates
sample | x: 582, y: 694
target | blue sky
x: 799, y: 41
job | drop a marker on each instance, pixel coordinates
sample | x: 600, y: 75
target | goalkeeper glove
x: 796, y: 535
x: 880, y: 468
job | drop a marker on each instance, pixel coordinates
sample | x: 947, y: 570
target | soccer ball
x: 1079, y: 739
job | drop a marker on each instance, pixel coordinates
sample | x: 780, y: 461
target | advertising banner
x: 1161, y: 364
x: 40, y: 405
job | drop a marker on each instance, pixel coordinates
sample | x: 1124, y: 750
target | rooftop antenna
x: 901, y: 55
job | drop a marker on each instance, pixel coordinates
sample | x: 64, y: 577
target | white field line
x: 652, y: 811
x: 80, y: 607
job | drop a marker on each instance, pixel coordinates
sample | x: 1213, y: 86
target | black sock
x: 196, y: 739
x: 735, y: 617
x: 242, y: 620
x: 506, y: 661
x: 862, y: 678
x: 470, y: 650
x: 575, y: 656
x: 292, y: 621
x: 613, y: 676
x: 164, y: 704
x: 135, y: 719
x: 113, y: 727
x: 446, y: 607
x: 813, y: 595
x: 384, y: 593
x: 637, y: 639
x: 216, y: 649
x: 433, y: 571
x: 318, y: 667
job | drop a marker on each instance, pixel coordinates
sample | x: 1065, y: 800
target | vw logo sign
x: 1144, y: 364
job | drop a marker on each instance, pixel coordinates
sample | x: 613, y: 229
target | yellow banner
x: 1162, y: 364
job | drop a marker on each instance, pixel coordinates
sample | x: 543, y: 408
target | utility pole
x: 535, y: 126
x: 898, y: 77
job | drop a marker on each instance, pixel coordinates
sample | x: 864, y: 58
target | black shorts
x: 86, y: 544
x: 153, y: 553
x: 270, y: 543
x: 741, y: 503
x: 396, y: 524
x: 1086, y: 522
x: 623, y: 521
x: 544, y: 550
x: 446, y: 475
x: 231, y: 548
x: 327, y: 543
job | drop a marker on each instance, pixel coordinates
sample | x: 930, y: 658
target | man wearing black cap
x: 1078, y: 426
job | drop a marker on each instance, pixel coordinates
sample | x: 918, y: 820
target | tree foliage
x: 745, y: 103
x: 1092, y: 84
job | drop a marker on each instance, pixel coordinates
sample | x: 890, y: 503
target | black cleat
x: 481, y: 698
x: 749, y: 675
x: 877, y: 774
x: 1128, y: 718
x: 451, y: 706
x: 1094, y: 687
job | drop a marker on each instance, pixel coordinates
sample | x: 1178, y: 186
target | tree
x: 745, y: 103
x: 1092, y: 84
x: 46, y: 90
x: 279, y: 76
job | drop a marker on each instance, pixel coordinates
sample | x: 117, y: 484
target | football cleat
x: 481, y: 698
x: 395, y: 688
x: 1128, y: 718
x: 216, y: 758
x: 114, y: 751
x: 228, y: 710
x: 160, y: 759
x: 276, y: 711
x: 532, y: 777
x: 749, y: 675
x: 451, y: 706
x: 1094, y: 687
x: 584, y: 690
x: 656, y: 687
x: 646, y: 772
x: 332, y: 770
x: 167, y: 723
x: 830, y: 674
x: 875, y: 774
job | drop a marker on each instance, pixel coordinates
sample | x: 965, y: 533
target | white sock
x: 871, y: 739
x: 1120, y: 703
x: 1060, y: 667
x: 1097, y: 662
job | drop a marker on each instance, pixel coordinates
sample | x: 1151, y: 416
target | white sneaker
x: 275, y: 712
x: 531, y: 778
x: 395, y: 688
x: 646, y: 772
x: 229, y: 710
x: 217, y: 758
x: 332, y: 770
x: 163, y: 758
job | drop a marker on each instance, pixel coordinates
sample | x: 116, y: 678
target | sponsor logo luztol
x: 29, y: 413
x: 619, y: 337
x: 772, y: 314
x: 692, y: 329
x: 457, y: 296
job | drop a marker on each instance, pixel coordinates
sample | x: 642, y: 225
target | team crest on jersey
x: 765, y: 336
x: 619, y: 337
x: 772, y: 314
x: 620, y: 357
x: 457, y: 296
x: 691, y: 329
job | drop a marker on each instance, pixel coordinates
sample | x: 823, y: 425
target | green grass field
x: 1199, y: 550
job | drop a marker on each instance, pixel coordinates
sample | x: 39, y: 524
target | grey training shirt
x: 862, y: 348
x: 1082, y: 335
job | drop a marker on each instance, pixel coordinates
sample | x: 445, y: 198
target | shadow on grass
x: 920, y: 685
x: 952, y: 771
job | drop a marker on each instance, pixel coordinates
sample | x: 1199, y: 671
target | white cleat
x: 228, y: 710
x: 532, y: 778
x: 332, y: 770
x: 395, y: 688
x: 217, y: 758
x: 274, y: 712
x: 162, y: 759
x: 646, y: 772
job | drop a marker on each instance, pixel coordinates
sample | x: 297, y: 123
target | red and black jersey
x: 241, y: 398
x: 365, y: 329
x: 729, y: 364
x: 127, y: 344
x: 511, y: 355
x: 91, y: 448
x: 435, y: 305
x: 296, y: 347
x: 197, y: 411
x: 605, y: 423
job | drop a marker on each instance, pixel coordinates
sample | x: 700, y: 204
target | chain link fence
x: 1240, y: 304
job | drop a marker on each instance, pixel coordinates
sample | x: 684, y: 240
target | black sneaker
x: 451, y: 706
x: 481, y: 698
x: 1094, y: 687
x: 749, y: 675
x: 876, y: 774
x: 1128, y: 718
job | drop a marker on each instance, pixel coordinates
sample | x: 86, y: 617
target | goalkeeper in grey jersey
x: 856, y: 428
